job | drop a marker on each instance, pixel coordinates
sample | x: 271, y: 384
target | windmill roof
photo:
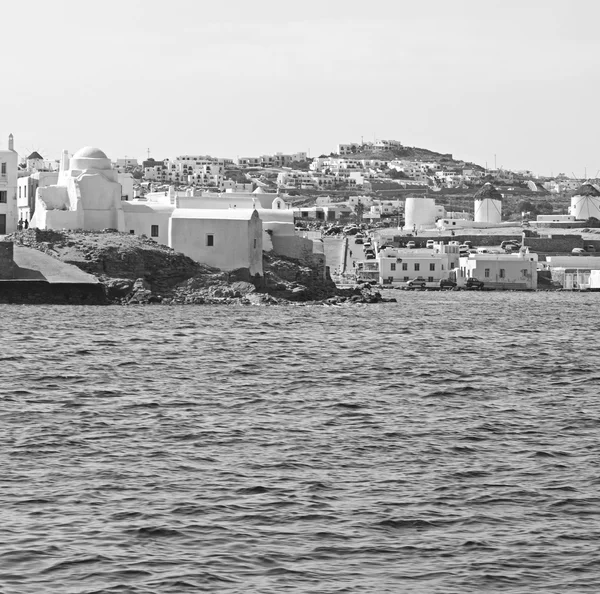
x: 587, y: 189
x: 488, y: 191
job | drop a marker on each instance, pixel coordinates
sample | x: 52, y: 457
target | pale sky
x: 477, y: 78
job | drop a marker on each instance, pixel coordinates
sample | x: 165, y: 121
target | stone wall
x: 7, y: 261
x: 38, y: 291
x: 555, y: 244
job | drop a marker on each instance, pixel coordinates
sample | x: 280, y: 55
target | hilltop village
x: 375, y: 212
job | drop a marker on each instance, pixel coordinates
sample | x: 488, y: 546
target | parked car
x: 411, y: 245
x: 358, y: 240
x: 369, y: 256
x: 416, y: 282
x: 590, y: 248
x: 454, y: 242
x: 510, y: 242
x: 446, y: 283
x: 579, y: 252
x: 474, y: 283
x: 430, y: 243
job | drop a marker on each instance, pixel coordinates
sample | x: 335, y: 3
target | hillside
x: 413, y: 153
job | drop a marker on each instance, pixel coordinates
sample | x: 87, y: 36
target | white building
x: 500, y: 271
x: 9, y: 163
x: 227, y: 239
x: 398, y: 265
x: 26, y: 189
x: 87, y: 195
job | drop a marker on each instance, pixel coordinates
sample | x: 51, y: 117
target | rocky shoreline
x: 135, y: 270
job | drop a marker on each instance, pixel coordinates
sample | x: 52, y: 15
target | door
x: 2, y: 224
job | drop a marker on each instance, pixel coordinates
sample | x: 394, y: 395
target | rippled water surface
x: 446, y: 443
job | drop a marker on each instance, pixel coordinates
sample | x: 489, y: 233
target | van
x: 483, y: 250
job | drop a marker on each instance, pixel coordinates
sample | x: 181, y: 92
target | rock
x: 117, y: 288
x: 243, y: 288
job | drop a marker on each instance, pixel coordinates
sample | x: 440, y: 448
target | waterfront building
x: 227, y: 239
x: 397, y: 266
x: 500, y: 271
x: 87, y: 194
x: 9, y: 164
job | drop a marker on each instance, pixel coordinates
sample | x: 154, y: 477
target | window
x: 487, y: 273
x: 430, y: 279
x: 502, y: 273
x: 19, y: 191
x: 3, y: 169
x: 255, y: 244
x: 417, y: 267
x: 432, y: 267
x: 3, y: 197
x: 154, y: 231
x: 406, y: 278
x: 392, y: 267
x: 131, y: 231
x: 210, y: 240
x: 405, y: 266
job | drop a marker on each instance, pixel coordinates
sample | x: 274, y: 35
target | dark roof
x: 586, y: 189
x: 35, y: 155
x: 488, y: 191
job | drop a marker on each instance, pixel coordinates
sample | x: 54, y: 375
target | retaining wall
x: 7, y: 260
x: 41, y: 291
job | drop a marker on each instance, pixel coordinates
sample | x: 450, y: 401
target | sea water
x: 445, y: 443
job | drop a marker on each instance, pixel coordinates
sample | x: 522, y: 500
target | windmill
x: 31, y: 152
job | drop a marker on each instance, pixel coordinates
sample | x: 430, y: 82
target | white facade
x: 9, y: 163
x: 86, y: 196
x: 555, y: 218
x: 488, y: 210
x: 584, y: 207
x: 397, y: 266
x: 420, y: 212
x: 26, y: 189
x: 227, y: 239
x: 500, y: 271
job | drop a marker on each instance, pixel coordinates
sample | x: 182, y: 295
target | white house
x: 397, y: 265
x: 9, y: 163
x: 227, y: 239
x: 500, y: 271
x: 26, y: 189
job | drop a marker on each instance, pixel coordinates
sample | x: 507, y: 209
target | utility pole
x: 148, y: 153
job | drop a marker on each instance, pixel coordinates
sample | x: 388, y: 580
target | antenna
x: 148, y: 150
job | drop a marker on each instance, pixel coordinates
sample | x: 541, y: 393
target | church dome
x: 90, y: 152
x: 90, y: 157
